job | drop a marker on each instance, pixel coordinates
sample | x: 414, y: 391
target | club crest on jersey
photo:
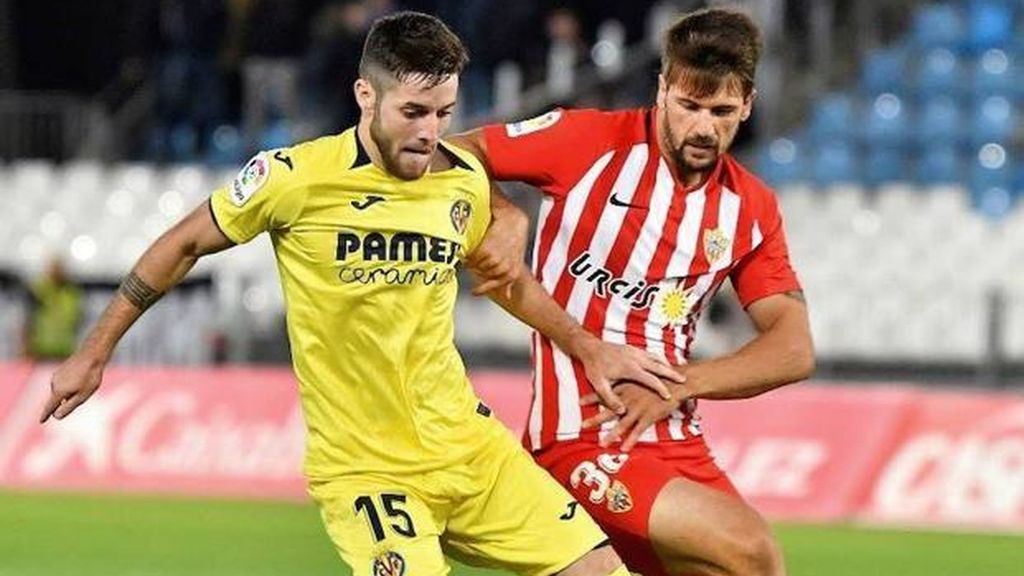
x: 389, y: 563
x: 461, y: 210
x: 541, y: 122
x: 715, y: 244
x: 250, y: 179
x: 619, y: 498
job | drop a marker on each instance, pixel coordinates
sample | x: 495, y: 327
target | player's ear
x: 366, y: 96
x: 662, y: 90
x: 748, y: 105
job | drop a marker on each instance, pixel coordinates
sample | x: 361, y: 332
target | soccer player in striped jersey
x: 368, y: 226
x: 644, y: 216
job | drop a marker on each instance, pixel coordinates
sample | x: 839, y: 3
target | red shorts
x: 618, y: 490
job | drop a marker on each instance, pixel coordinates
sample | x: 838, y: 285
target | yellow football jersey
x: 368, y: 266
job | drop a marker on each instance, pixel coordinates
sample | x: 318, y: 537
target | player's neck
x: 363, y: 134
x: 438, y: 163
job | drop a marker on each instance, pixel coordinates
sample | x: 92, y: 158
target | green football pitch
x: 50, y: 535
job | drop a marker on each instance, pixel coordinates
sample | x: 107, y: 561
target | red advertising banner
x: 234, y: 432
x: 959, y: 460
x: 805, y: 452
x: 893, y: 454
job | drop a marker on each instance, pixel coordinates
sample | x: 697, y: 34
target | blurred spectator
x: 332, y: 64
x: 55, y: 313
x: 191, y: 95
x: 567, y: 49
x: 275, y: 34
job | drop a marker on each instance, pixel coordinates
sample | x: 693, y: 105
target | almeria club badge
x: 716, y: 243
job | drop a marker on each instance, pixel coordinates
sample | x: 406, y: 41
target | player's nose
x: 429, y: 130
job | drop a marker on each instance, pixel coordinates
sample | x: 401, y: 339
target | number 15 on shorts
x: 393, y: 506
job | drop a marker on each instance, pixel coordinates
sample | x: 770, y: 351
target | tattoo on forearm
x: 140, y: 294
x: 796, y: 295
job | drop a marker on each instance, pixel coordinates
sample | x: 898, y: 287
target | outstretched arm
x: 162, y: 266
x: 605, y: 364
x: 781, y: 353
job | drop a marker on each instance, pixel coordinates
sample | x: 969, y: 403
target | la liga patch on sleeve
x: 250, y: 179
x: 541, y: 122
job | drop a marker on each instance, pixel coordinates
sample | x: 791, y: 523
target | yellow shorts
x: 496, y: 509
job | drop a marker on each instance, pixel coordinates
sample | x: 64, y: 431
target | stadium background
x: 891, y: 130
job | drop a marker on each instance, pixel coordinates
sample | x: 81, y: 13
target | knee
x: 757, y: 554
x: 601, y: 561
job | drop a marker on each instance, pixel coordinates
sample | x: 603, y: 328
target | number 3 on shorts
x: 394, y: 507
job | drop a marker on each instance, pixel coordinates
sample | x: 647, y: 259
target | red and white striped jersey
x: 628, y: 251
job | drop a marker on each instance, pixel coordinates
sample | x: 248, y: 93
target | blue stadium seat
x: 883, y: 165
x: 994, y: 74
x: 884, y: 70
x: 940, y: 72
x: 989, y: 24
x: 885, y: 122
x: 994, y: 202
x: 277, y: 135
x: 939, y: 164
x: 940, y: 121
x: 992, y: 120
x: 991, y: 169
x: 939, y: 25
x: 832, y: 118
x: 834, y: 162
x: 781, y: 162
x: 226, y: 147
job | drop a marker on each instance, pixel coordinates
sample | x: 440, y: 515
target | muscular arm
x: 162, y: 267
x: 780, y: 354
x: 474, y: 142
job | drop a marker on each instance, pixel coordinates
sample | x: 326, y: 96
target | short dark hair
x: 711, y: 46
x: 412, y: 46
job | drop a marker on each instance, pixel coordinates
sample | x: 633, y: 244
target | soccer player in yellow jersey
x: 368, y: 226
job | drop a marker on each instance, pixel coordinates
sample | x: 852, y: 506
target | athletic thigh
x: 618, y: 490
x: 381, y: 526
x: 520, y: 519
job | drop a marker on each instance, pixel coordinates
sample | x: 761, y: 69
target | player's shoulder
x: 741, y: 180
x: 630, y: 122
x: 460, y: 158
x: 312, y: 155
x: 584, y: 123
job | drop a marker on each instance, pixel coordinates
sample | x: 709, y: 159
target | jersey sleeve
x: 261, y: 198
x: 766, y: 270
x: 479, y: 218
x: 551, y: 151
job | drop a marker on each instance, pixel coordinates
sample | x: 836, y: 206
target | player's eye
x: 723, y: 110
x: 444, y: 113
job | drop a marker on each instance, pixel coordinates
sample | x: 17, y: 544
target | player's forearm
x: 161, y: 268
x: 780, y: 355
x: 532, y: 305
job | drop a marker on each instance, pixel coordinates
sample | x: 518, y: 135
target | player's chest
x: 359, y: 222
x: 657, y: 235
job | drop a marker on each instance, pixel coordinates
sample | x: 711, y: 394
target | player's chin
x: 699, y: 162
x: 411, y: 169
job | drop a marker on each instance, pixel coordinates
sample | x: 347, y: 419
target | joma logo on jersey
x: 398, y: 247
x: 639, y: 294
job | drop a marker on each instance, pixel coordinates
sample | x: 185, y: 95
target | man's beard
x: 388, y: 152
x: 679, y: 153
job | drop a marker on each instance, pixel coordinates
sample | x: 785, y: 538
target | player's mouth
x: 418, y: 151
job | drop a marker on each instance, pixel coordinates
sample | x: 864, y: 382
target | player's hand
x: 606, y: 364
x: 643, y: 409
x: 72, y: 384
x: 498, y: 260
